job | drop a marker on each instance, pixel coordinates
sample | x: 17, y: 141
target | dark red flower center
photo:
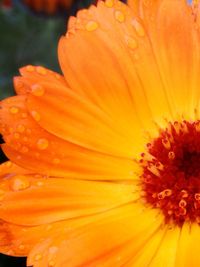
x: 171, y: 172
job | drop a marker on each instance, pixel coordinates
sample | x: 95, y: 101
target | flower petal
x: 117, y: 74
x: 90, y: 246
x: 73, y: 118
x: 30, y: 146
x: 188, y: 246
x: 176, y: 44
x: 30, y: 200
x: 167, y: 247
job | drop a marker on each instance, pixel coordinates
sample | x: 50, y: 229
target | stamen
x: 171, y: 172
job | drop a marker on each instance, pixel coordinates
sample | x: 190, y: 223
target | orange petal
x: 30, y: 146
x: 176, y: 49
x: 98, y: 242
x: 31, y: 201
x: 188, y: 246
x: 8, y: 168
x: 117, y: 74
x: 71, y: 117
x: 168, y: 247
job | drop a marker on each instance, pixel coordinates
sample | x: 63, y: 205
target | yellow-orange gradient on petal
x: 48, y: 6
x: 104, y: 160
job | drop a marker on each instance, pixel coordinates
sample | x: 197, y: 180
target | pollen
x: 171, y: 172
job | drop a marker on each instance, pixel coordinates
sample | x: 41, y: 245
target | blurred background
x: 29, y: 34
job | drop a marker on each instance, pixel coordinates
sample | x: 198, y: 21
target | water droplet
x: 20, y: 128
x: 30, y: 68
x: 42, y: 143
x: 14, y: 110
x: 35, y: 115
x: 109, y: 3
x: 138, y: 27
x: 53, y: 249
x: 39, y: 183
x: 56, y: 161
x: 41, y: 70
x: 38, y: 257
x: 37, y: 90
x: 91, y: 26
x: 131, y: 42
x: 119, y: 16
x: 19, y: 182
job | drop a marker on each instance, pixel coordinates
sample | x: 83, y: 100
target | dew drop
x: 119, y: 16
x: 19, y: 182
x: 139, y: 28
x: 53, y: 249
x: 35, y: 115
x: 30, y: 68
x: 37, y: 90
x: 42, y: 143
x: 20, y: 128
x: 14, y: 110
x: 109, y: 3
x: 131, y: 42
x: 91, y: 26
x: 38, y: 257
x: 41, y: 70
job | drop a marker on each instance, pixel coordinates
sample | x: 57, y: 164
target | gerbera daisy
x: 104, y: 161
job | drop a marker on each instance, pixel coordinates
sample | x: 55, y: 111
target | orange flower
x: 48, y: 6
x: 104, y: 162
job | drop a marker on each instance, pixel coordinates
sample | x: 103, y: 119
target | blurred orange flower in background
x: 104, y: 161
x: 48, y: 6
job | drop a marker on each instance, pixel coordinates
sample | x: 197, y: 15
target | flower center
x: 171, y: 172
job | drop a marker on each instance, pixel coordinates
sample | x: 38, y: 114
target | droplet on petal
x: 138, y: 28
x: 20, y: 128
x: 30, y: 68
x: 41, y: 70
x: 119, y: 16
x: 19, y: 182
x: 37, y: 90
x: 42, y: 143
x: 35, y: 115
x: 131, y: 42
x: 91, y: 26
x: 109, y: 3
x: 38, y: 257
x: 14, y: 110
